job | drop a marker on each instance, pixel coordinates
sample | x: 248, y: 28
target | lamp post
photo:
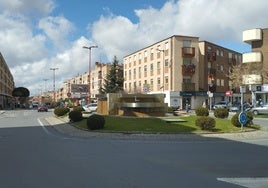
x: 54, y: 69
x: 45, y: 86
x: 89, y: 67
x: 163, y: 72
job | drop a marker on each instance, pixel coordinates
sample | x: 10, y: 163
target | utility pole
x: 89, y: 69
x: 54, y: 69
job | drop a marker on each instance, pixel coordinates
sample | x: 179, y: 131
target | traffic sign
x: 228, y: 93
x: 242, y: 118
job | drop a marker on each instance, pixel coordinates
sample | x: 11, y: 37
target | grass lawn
x: 158, y: 125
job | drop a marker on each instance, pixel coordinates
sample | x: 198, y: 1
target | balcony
x: 252, y: 57
x: 252, y: 35
x: 188, y: 86
x: 211, y: 56
x: 188, y: 52
x: 188, y: 70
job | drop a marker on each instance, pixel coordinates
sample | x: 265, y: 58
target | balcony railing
x: 252, y: 57
x: 188, y: 69
x: 188, y: 52
x: 188, y: 86
x: 252, y: 35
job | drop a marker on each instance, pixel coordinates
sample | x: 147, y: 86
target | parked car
x: 221, y: 104
x: 42, y: 108
x: 235, y: 107
x: 260, y: 109
x: 92, y: 107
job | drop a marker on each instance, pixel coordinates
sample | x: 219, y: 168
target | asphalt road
x: 38, y: 156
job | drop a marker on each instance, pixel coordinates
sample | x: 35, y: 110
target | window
x: 166, y: 46
x: 158, y: 81
x: 209, y: 65
x: 218, y: 82
x: 186, y: 80
x: 151, y: 67
x: 222, y: 82
x: 158, y: 65
x: 145, y: 53
x: 187, y: 61
x: 166, y: 80
x: 145, y: 68
x: 166, y: 63
x: 186, y: 43
x: 217, y: 52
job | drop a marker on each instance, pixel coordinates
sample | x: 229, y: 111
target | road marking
x: 250, y: 182
x: 44, y: 128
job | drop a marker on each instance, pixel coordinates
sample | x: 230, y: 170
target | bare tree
x: 237, y: 71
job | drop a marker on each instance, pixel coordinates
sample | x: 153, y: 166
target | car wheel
x: 255, y: 112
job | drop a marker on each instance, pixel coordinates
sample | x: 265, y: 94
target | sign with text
x: 79, y: 88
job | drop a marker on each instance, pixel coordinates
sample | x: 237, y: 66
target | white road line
x: 44, y: 128
x: 250, y: 182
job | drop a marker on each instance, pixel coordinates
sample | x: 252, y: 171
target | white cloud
x: 18, y: 43
x: 29, y: 7
x: 211, y: 20
x: 57, y: 29
x: 30, y: 49
x: 70, y: 63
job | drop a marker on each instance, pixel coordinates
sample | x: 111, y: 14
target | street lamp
x: 54, y: 69
x: 89, y: 67
x: 163, y: 72
x: 45, y: 86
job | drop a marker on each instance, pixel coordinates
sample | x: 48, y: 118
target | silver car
x: 260, y: 109
x: 92, y: 107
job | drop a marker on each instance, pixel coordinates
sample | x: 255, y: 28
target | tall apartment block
x: 257, y: 80
x: 6, y: 85
x: 181, y: 67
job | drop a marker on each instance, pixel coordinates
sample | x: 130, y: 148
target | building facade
x: 181, y: 67
x: 6, y: 85
x: 97, y: 76
x: 257, y: 79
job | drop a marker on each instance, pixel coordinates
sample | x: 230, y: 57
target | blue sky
x: 38, y: 35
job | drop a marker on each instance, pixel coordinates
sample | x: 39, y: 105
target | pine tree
x: 114, y: 80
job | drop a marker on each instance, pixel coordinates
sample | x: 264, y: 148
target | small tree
x: 114, y: 80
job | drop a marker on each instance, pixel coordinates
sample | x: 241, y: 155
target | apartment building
x: 181, y: 67
x: 257, y: 79
x: 6, y: 85
x: 77, y: 87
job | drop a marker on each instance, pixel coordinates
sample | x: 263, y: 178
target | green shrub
x: 78, y: 108
x: 221, y: 113
x: 250, y: 118
x: 95, y: 121
x: 205, y: 122
x: 61, y: 111
x: 236, y: 122
x: 201, y: 111
x: 75, y: 116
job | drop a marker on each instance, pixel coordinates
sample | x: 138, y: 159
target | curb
x: 63, y: 126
